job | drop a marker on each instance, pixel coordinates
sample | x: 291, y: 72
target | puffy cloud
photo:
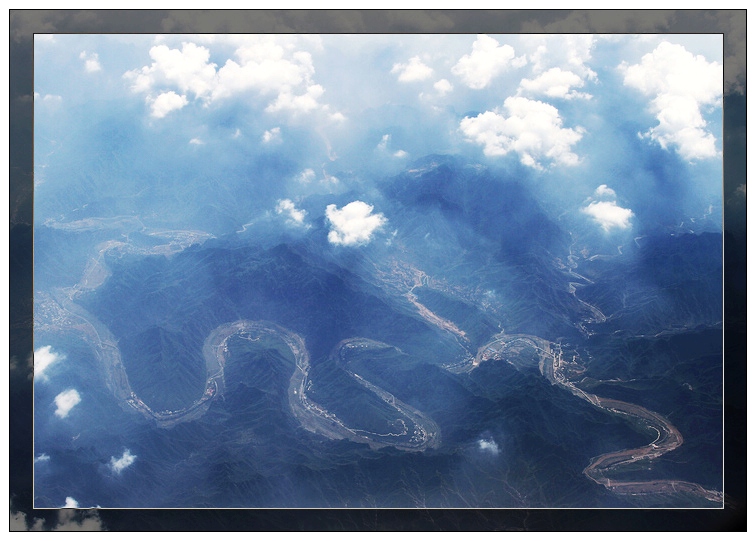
x: 530, y: 128
x: 294, y: 216
x: 608, y: 214
x: 488, y: 446
x: 167, y: 102
x: 605, y: 191
x: 66, y: 401
x: 301, y: 104
x: 119, y: 464
x: 354, y: 224
x: 554, y: 83
x: 188, y: 69
x: 264, y: 64
x: 43, y: 457
x: 43, y: 358
x: 443, y: 86
x: 91, y: 61
x: 412, y: 71
x: 196, y: 141
x: 486, y: 61
x: 70, y: 502
x: 400, y: 154
x: 271, y: 135
x: 680, y: 83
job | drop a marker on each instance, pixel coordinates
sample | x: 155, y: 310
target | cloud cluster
x: 294, y: 216
x: 117, y: 465
x: 261, y: 65
x: 558, y: 65
x: 605, y: 211
x: 44, y: 357
x: 412, y: 71
x: 487, y: 60
x: 70, y: 502
x: 354, y: 224
x: 530, y: 128
x: 680, y: 84
x: 66, y: 401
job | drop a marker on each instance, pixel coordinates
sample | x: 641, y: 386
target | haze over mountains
x: 304, y: 271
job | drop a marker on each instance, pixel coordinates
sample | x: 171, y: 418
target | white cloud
x: 569, y: 52
x: 187, y: 69
x: 66, y: 401
x: 237, y: 133
x: 70, y: 502
x: 300, y: 104
x: 488, y: 446
x: 400, y: 154
x: 91, y: 61
x: 267, y: 65
x: 554, y: 83
x: 608, y: 215
x: 605, y: 191
x: 530, y: 128
x: 354, y: 224
x: 384, y: 142
x: 167, y: 102
x: 412, y: 71
x: 680, y: 83
x: 741, y: 191
x: 119, y: 464
x: 443, y: 86
x: 294, y: 216
x: 306, y: 176
x: 196, y: 141
x: 271, y: 135
x: 44, y: 357
x: 486, y: 61
x: 43, y: 457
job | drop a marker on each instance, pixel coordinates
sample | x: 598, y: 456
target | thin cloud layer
x: 354, y: 224
x: 680, y: 85
x: 66, y: 401
x: 117, y: 465
x: 530, y: 128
